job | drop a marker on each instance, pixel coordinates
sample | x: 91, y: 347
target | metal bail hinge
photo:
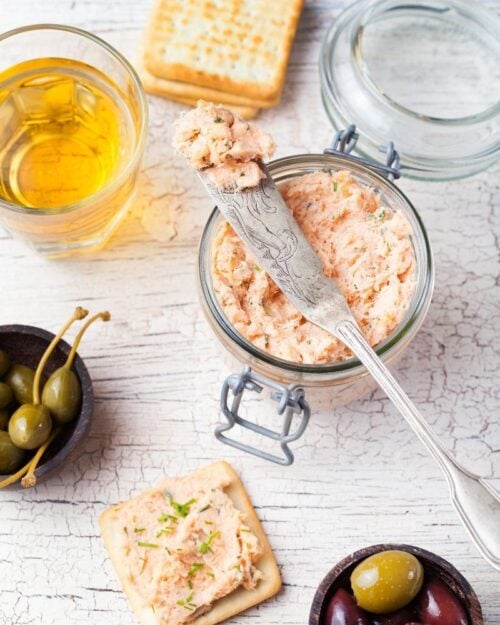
x: 345, y: 141
x: 291, y: 404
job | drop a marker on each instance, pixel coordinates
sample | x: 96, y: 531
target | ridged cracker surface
x: 238, y: 46
x: 237, y: 601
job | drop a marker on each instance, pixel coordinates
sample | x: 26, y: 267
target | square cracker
x: 175, y: 90
x: 237, y: 46
x: 238, y: 600
x: 168, y: 89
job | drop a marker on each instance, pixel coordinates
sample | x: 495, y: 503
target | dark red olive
x: 343, y: 610
x: 399, y: 617
x: 438, y: 605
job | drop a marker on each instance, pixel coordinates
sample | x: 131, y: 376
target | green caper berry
x: 6, y: 395
x: 10, y: 455
x: 20, y: 379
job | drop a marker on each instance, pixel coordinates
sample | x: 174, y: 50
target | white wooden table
x: 360, y: 475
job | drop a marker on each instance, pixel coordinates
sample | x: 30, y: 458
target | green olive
x: 4, y: 362
x: 4, y: 419
x: 6, y: 395
x: 30, y: 426
x: 10, y: 455
x: 387, y: 581
x: 20, y: 379
x: 62, y: 395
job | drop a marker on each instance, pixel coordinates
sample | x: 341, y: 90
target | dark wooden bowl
x: 433, y: 565
x: 25, y: 345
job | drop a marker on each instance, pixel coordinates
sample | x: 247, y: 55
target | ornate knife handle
x: 476, y: 502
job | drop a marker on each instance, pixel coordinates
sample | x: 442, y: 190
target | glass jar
x: 423, y: 74
x: 346, y: 380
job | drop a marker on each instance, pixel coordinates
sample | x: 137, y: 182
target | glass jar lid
x: 423, y: 74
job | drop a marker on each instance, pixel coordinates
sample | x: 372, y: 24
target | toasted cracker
x: 175, y: 90
x: 234, y: 603
x: 155, y: 86
x: 238, y: 46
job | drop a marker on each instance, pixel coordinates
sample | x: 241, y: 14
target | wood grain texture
x: 360, y: 477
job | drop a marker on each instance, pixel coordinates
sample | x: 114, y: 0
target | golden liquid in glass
x: 64, y: 133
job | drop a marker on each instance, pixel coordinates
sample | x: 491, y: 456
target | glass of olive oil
x: 73, y: 121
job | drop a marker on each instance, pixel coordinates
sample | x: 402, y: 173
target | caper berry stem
x: 29, y: 480
x: 79, y: 313
x: 105, y: 316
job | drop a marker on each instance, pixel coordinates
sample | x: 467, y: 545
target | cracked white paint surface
x: 360, y: 476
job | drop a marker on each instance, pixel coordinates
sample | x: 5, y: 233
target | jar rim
x: 280, y: 168
x: 135, y: 157
x: 431, y: 146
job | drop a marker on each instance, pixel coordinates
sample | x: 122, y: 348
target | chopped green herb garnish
x: 242, y: 173
x: 153, y: 608
x: 138, y: 530
x: 150, y: 545
x: 168, y: 551
x: 206, y: 546
x: 125, y: 530
x: 256, y: 267
x: 165, y: 530
x: 218, y: 120
x: 245, y: 529
x: 195, y: 568
x: 190, y: 584
x: 205, y: 508
x: 210, y: 574
x: 164, y: 518
x: 182, y: 509
x: 335, y: 185
x: 187, y: 602
x: 382, y: 215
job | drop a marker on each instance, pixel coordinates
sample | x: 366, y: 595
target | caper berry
x: 30, y: 426
x: 6, y: 395
x: 4, y: 362
x: 20, y: 379
x: 10, y: 455
x: 62, y: 395
x: 387, y: 581
x: 4, y: 419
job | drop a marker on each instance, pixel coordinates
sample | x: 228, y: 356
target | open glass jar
x: 423, y: 74
x: 348, y: 379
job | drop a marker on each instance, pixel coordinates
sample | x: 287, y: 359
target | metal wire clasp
x: 291, y: 404
x: 345, y: 141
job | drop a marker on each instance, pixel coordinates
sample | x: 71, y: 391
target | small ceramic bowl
x: 25, y: 345
x: 434, y: 565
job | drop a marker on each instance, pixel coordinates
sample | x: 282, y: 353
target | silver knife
x: 266, y: 226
